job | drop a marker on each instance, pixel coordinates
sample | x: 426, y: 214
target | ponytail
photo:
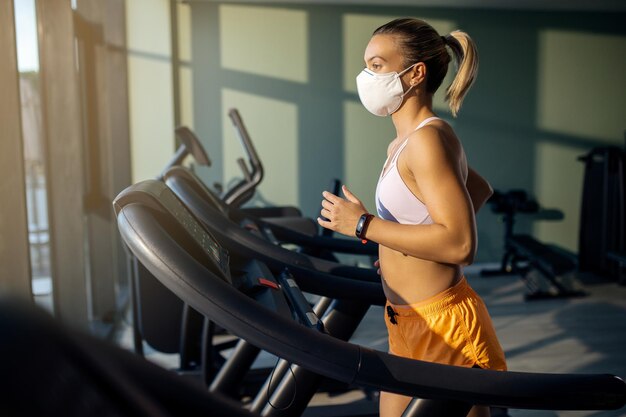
x: 466, y: 57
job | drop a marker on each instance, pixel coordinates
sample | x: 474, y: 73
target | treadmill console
x: 201, y: 236
x: 156, y: 195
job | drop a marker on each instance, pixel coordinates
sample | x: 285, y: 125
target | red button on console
x: 268, y: 283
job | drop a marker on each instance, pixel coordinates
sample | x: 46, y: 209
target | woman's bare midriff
x: 409, y: 280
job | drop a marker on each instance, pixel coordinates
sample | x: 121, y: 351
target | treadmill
x: 352, y: 294
x: 165, y: 322
x: 268, y: 311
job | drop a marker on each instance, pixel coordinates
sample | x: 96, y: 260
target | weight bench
x: 549, y: 273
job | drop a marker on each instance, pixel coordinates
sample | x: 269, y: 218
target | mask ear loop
x: 405, y: 92
x: 407, y: 68
x: 412, y: 85
x: 408, y: 90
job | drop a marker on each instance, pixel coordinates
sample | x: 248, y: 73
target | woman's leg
x: 479, y: 411
x: 392, y: 405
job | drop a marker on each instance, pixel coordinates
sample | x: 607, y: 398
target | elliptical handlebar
x: 244, y: 169
x: 244, y: 137
x: 253, y: 176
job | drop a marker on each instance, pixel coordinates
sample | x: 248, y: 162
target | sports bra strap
x: 421, y: 125
x: 397, y: 154
x: 426, y: 121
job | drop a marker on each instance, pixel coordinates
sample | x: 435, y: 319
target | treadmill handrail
x: 169, y: 262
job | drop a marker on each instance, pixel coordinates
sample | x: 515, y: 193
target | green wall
x: 550, y: 86
x: 150, y: 89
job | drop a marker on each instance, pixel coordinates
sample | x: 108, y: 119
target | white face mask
x: 381, y: 94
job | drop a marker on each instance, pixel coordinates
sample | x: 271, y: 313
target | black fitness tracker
x: 361, y: 226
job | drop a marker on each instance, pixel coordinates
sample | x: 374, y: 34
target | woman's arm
x: 452, y: 236
x: 478, y: 189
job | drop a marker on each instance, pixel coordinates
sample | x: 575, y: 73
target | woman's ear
x: 418, y: 74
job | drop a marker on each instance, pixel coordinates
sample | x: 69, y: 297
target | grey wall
x: 550, y: 87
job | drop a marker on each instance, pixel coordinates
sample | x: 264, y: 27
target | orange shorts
x: 452, y: 327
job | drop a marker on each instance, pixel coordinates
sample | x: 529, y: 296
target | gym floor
x: 576, y: 335
x: 581, y: 335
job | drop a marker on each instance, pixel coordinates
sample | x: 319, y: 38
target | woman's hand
x: 342, y: 214
x: 377, y: 266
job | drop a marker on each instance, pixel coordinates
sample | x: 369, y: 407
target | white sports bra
x: 394, y: 200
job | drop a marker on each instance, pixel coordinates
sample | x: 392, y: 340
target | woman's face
x: 382, y: 55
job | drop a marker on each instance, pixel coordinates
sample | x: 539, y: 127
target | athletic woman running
x: 426, y: 201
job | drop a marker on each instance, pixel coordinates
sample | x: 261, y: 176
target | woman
x: 426, y: 201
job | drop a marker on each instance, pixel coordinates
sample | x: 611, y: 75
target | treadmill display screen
x: 207, y: 242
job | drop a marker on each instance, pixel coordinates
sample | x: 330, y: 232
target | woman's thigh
x: 392, y: 405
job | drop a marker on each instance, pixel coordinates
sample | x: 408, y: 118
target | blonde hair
x: 420, y: 42
x: 466, y: 56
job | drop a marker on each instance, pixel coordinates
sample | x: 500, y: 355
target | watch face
x: 359, y: 225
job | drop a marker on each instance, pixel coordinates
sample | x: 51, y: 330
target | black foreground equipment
x: 48, y: 370
x: 177, y: 250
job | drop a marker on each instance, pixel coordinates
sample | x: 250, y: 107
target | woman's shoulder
x: 437, y: 135
x: 432, y: 145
